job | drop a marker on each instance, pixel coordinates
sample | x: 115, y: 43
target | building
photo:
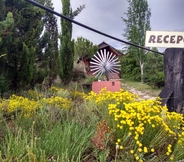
x: 103, y: 46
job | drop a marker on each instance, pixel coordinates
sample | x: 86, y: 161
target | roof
x: 104, y: 45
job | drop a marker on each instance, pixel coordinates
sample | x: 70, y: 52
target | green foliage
x: 67, y: 141
x: 20, y: 45
x: 26, y: 65
x: 84, y: 49
x: 66, y: 57
x: 3, y: 84
x: 109, y: 126
x: 49, y: 42
x: 6, y: 25
x: 130, y: 69
x: 2, y: 11
x: 137, y: 22
x: 154, y: 70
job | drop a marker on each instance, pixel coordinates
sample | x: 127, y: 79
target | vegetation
x: 84, y: 49
x: 66, y: 57
x: 65, y: 124
x: 154, y: 70
x: 68, y: 125
x: 47, y: 61
x: 138, y: 64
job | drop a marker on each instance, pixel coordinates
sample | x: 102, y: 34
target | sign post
x: 172, y: 94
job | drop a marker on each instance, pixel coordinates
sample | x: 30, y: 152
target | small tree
x: 84, y: 49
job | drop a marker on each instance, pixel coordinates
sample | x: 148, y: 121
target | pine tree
x: 49, y: 41
x: 6, y: 25
x: 137, y: 22
x: 66, y: 57
x: 21, y: 52
x: 2, y: 10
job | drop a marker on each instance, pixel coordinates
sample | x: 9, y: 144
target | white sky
x: 105, y: 16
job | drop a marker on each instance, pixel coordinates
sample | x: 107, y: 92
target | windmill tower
x: 105, y: 64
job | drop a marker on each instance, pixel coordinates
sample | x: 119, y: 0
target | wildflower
x: 131, y: 151
x: 140, y: 149
x: 152, y: 150
x: 145, y: 149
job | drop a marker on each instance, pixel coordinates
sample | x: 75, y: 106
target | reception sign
x: 164, y: 39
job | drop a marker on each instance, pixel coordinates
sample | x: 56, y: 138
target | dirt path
x: 142, y: 95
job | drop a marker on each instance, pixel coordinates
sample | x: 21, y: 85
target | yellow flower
x: 152, y: 150
x: 131, y: 151
x: 145, y: 149
x: 137, y: 157
x: 140, y: 149
x: 140, y: 160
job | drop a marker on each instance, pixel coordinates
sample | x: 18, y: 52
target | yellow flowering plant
x: 143, y: 130
x: 24, y: 106
x: 19, y: 104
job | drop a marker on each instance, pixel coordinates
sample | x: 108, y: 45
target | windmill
x: 104, y: 64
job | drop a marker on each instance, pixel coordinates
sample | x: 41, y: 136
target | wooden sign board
x: 164, y: 39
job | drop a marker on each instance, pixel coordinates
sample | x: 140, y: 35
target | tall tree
x: 137, y: 22
x: 66, y: 57
x: 2, y: 11
x: 6, y: 27
x: 49, y: 42
x: 21, y: 52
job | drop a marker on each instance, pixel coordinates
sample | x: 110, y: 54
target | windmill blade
x: 104, y: 63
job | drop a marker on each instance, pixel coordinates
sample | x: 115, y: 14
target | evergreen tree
x: 137, y: 22
x: 66, y: 57
x: 67, y: 45
x: 2, y: 10
x: 49, y: 44
x: 21, y: 52
x: 6, y: 25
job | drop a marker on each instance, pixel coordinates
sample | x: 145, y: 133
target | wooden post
x: 172, y: 94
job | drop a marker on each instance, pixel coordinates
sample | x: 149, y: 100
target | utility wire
x: 87, y: 27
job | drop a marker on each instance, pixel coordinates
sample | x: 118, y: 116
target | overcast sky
x: 105, y: 16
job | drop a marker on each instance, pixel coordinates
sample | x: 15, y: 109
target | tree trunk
x: 142, y: 71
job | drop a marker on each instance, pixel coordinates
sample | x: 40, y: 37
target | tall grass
x: 70, y: 126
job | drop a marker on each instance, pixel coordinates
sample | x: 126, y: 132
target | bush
x: 3, y: 84
x: 109, y: 126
